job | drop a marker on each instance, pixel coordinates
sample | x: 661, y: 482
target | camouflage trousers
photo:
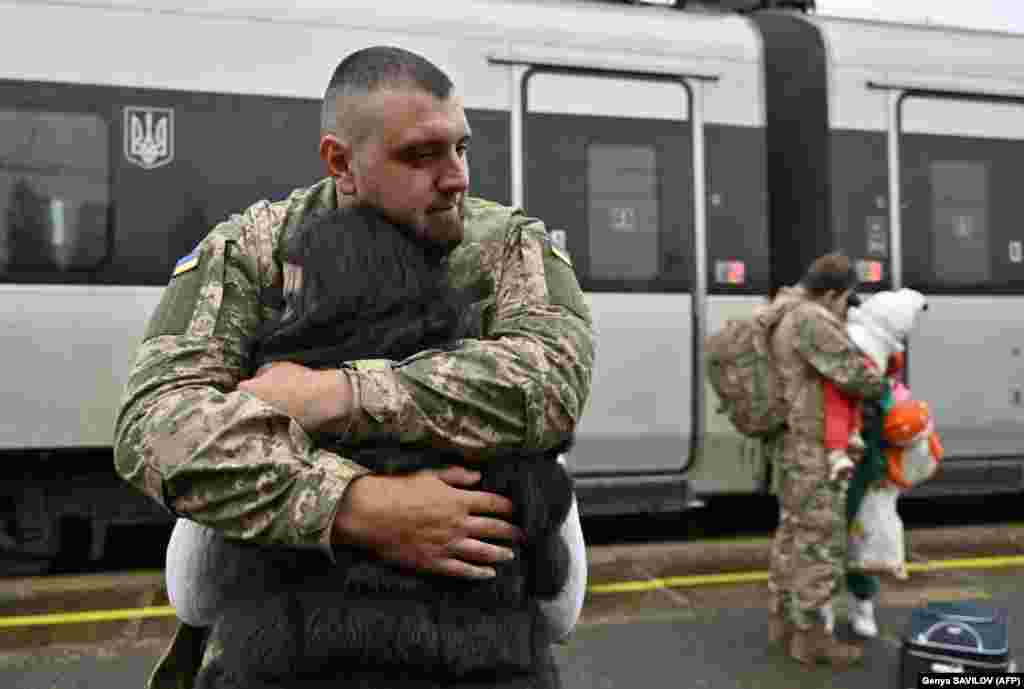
x: 809, y: 551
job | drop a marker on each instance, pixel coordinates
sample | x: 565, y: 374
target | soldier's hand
x: 311, y: 397
x: 429, y: 521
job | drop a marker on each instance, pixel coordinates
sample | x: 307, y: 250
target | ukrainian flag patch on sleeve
x: 561, y: 254
x: 186, y: 263
x: 556, y: 242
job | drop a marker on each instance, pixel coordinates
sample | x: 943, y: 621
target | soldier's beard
x: 445, y: 227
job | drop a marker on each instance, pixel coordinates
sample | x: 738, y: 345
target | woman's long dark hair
x: 364, y: 280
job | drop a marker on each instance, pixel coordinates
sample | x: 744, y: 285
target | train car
x: 689, y: 159
x: 899, y: 144
x: 927, y: 135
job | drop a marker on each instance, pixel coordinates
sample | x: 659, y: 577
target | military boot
x: 829, y: 616
x: 780, y: 630
x: 816, y: 645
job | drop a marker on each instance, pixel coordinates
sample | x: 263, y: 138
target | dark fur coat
x: 371, y: 290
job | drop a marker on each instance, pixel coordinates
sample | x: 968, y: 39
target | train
x: 690, y: 157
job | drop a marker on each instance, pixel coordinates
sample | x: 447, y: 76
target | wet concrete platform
x: 710, y: 636
x: 648, y: 569
x: 664, y: 629
x: 645, y: 561
x: 717, y: 638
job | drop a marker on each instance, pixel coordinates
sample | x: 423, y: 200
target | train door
x: 608, y: 165
x: 958, y: 159
x: 738, y: 280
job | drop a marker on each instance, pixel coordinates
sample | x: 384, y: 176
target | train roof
x: 621, y: 34
x: 289, y: 49
x: 925, y: 55
x: 927, y: 25
x: 640, y: 29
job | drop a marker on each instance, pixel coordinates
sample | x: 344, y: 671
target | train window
x: 959, y: 223
x: 965, y: 118
x: 622, y: 205
x: 54, y: 191
x: 105, y: 185
x: 604, y: 96
x: 608, y: 162
x: 490, y: 157
x: 961, y: 204
x: 165, y: 207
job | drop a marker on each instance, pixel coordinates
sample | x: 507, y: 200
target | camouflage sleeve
x: 825, y: 346
x: 524, y: 385
x: 188, y: 439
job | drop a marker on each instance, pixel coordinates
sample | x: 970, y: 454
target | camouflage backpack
x: 742, y: 371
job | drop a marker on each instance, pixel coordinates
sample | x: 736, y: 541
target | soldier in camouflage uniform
x: 810, y: 345
x: 237, y: 456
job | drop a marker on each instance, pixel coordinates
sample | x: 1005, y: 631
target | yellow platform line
x: 748, y: 577
x: 677, y: 582
x: 615, y: 587
x: 88, y: 616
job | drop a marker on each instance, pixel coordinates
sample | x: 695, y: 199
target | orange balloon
x: 905, y: 421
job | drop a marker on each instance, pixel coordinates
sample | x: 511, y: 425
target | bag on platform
x: 955, y: 637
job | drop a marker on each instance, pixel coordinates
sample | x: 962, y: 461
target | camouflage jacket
x: 187, y: 438
x: 810, y: 344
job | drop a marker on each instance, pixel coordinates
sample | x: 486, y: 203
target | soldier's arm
x: 826, y: 347
x: 186, y: 437
x: 524, y: 385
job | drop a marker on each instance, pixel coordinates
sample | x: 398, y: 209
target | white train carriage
x: 689, y: 161
x: 928, y: 153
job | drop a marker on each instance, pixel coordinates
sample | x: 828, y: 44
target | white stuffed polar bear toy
x: 879, y: 328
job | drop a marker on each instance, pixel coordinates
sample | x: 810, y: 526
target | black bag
x: 954, y: 638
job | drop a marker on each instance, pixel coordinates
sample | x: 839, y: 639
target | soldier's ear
x: 337, y: 157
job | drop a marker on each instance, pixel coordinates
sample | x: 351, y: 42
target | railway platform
x: 672, y: 615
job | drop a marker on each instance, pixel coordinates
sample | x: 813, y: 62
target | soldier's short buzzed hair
x: 370, y: 69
